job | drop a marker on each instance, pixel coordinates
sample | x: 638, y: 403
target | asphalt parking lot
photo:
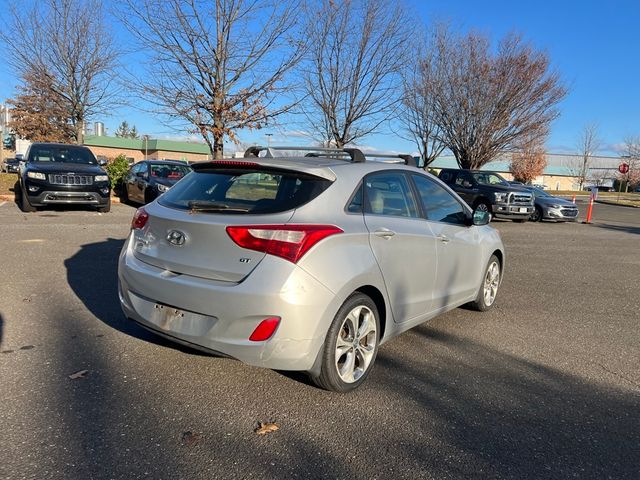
x: 546, y: 385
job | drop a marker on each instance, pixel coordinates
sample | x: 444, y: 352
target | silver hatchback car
x: 305, y: 263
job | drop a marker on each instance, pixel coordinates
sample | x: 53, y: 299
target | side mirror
x: 481, y: 217
x: 102, y: 162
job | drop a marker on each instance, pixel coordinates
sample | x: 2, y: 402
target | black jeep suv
x: 488, y: 191
x: 55, y: 173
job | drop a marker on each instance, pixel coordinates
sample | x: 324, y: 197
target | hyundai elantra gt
x: 305, y: 263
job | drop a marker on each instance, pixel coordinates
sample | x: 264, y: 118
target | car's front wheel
x: 351, y: 345
x: 489, y: 287
x: 25, y: 206
x: 106, y: 208
x: 536, y: 216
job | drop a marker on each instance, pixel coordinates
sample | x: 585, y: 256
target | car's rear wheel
x: 536, y: 216
x: 489, y: 287
x: 149, y: 196
x: 351, y: 345
x: 25, y: 206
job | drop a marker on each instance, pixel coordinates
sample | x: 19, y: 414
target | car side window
x: 389, y: 194
x: 463, y: 179
x: 355, y: 205
x: 438, y: 204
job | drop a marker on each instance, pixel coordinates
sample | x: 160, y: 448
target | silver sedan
x: 305, y: 263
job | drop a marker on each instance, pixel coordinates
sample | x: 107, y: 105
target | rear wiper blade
x: 207, y: 206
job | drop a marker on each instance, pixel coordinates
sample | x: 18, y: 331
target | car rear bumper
x: 221, y: 316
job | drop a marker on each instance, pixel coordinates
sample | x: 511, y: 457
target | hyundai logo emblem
x: 176, y: 237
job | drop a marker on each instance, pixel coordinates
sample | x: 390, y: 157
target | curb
x: 607, y: 202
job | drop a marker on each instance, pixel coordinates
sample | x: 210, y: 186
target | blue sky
x: 594, y: 45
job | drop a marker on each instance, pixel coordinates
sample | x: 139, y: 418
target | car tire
x: 351, y: 345
x: 124, y: 194
x: 106, y: 208
x: 489, y: 286
x: 484, y: 207
x: 536, y: 216
x: 25, y: 206
x: 149, y: 196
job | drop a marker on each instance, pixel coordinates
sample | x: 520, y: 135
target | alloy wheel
x: 356, y: 344
x: 491, y: 283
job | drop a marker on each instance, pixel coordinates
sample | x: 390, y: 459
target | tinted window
x: 438, y: 204
x: 389, y: 194
x: 237, y: 191
x: 490, y: 179
x: 355, y: 205
x: 140, y: 167
x: 446, y: 176
x: 464, y: 177
x: 61, y: 154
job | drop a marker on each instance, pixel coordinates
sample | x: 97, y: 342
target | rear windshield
x: 172, y: 172
x: 61, y: 154
x: 238, y: 191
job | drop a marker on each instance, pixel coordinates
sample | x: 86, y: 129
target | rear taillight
x: 139, y: 219
x: 290, y: 242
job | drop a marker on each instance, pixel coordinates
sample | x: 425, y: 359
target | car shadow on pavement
x: 507, y: 416
x: 1, y: 328
x: 620, y: 228
x: 92, y: 274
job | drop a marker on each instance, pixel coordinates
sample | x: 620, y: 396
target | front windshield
x: 490, y: 179
x: 62, y: 154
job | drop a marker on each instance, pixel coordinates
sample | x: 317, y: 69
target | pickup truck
x: 489, y: 192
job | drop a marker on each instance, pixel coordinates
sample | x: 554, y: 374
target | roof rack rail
x: 356, y: 155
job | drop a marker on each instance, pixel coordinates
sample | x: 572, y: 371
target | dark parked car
x: 550, y: 207
x: 148, y: 179
x: 489, y: 192
x: 55, y: 173
x: 10, y: 165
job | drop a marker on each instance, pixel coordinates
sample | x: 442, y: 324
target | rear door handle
x: 384, y: 233
x: 443, y: 238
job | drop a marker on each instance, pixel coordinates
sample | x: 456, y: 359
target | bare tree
x: 68, y: 43
x: 529, y: 160
x: 219, y: 65
x: 587, y: 144
x: 419, y: 105
x: 631, y: 156
x: 486, y: 101
x: 358, y: 49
